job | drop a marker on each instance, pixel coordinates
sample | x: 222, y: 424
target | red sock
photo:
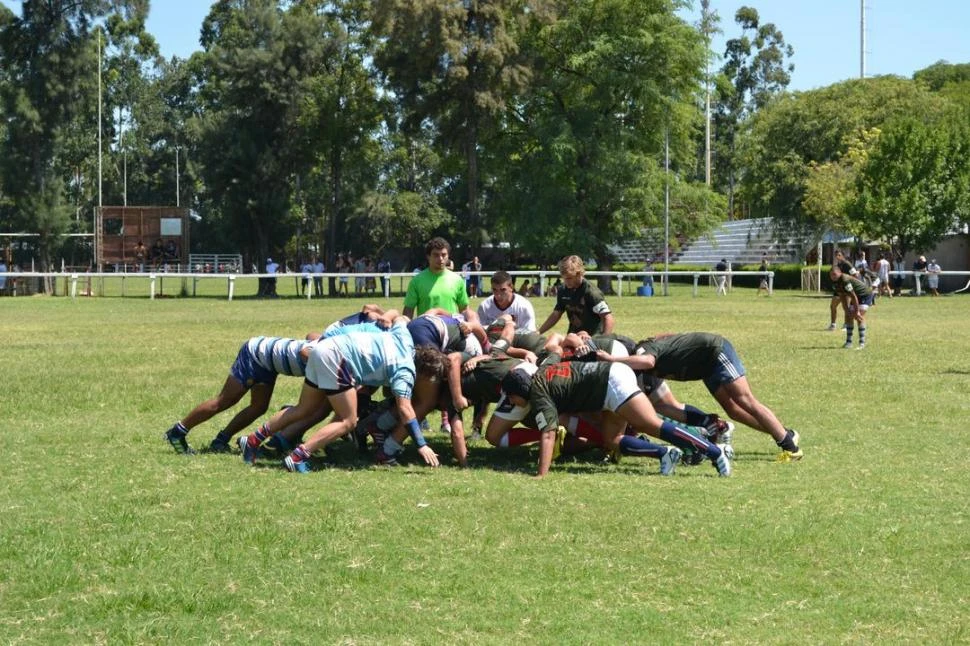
x: 521, y: 435
x: 588, y: 432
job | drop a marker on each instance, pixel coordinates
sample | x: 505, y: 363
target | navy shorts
x: 248, y: 372
x: 727, y: 368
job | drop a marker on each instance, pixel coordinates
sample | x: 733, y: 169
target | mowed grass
x: 108, y: 536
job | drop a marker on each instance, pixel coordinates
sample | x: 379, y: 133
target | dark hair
x: 436, y: 243
x: 501, y: 277
x: 517, y: 382
x: 429, y: 361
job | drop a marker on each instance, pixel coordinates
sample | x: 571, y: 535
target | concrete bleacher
x: 636, y: 251
x: 742, y: 242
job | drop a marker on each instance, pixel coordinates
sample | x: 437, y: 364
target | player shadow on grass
x: 343, y: 455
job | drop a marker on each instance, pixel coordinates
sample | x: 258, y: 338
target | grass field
x: 108, y: 536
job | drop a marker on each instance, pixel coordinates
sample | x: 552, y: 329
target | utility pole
x: 862, y: 39
x: 99, y: 118
x: 177, y: 203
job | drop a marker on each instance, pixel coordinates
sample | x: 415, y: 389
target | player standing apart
x: 583, y: 302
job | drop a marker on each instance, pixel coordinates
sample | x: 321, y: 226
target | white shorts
x: 325, y: 369
x: 621, y: 386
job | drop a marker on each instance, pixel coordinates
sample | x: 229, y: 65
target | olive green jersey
x: 682, y: 357
x: 584, y: 307
x: 485, y: 381
x: 568, y: 387
x: 847, y: 284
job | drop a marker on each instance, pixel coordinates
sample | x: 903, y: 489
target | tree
x: 49, y: 57
x: 798, y: 135
x: 755, y: 71
x: 940, y: 74
x: 457, y: 64
x: 341, y: 119
x: 255, y: 74
x: 584, y: 147
x: 915, y: 186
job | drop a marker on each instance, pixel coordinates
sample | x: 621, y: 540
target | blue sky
x: 902, y: 36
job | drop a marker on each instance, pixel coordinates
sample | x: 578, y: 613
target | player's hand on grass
x: 429, y: 456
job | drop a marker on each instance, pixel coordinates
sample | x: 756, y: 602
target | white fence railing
x: 83, y: 283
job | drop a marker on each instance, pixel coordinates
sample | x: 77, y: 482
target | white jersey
x: 279, y: 355
x: 882, y: 270
x: 520, y: 309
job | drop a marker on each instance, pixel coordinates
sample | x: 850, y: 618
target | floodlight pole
x: 666, y: 208
x: 177, y: 203
x: 862, y: 39
x: 100, y: 203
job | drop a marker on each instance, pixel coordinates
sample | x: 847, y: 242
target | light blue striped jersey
x: 379, y: 358
x: 279, y: 355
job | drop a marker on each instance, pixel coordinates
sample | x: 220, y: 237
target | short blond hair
x: 572, y: 265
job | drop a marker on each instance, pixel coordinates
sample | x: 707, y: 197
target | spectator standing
x: 318, y: 268
x: 720, y: 280
x: 472, y: 281
x: 919, y: 268
x: 585, y: 307
x: 271, y: 268
x: 360, y: 267
x: 343, y: 269
x: 647, y: 274
x: 882, y: 273
x: 141, y: 253
x: 370, y: 283
x: 3, y: 279
x: 763, y: 283
x: 384, y: 267
x: 171, y: 251
x: 306, y: 269
x: 933, y: 277
x: 157, y: 253
x: 898, y: 276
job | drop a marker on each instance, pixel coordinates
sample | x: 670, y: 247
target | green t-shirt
x: 445, y: 290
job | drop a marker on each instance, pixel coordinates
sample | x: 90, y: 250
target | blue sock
x: 862, y: 334
x: 180, y: 428
x: 633, y: 445
x: 683, y: 440
x: 695, y: 416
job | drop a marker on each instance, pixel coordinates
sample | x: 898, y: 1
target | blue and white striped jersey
x: 279, y: 355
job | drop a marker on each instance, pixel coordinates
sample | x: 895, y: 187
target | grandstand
x: 740, y: 242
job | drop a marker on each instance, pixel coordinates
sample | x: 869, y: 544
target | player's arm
x: 406, y: 412
x: 547, y: 419
x: 608, y: 322
x: 553, y: 318
x: 636, y: 361
x: 458, y: 446
x: 453, y: 370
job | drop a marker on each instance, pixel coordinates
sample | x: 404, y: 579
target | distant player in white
x: 504, y: 300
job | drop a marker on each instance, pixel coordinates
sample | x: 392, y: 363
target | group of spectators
x: 587, y: 388
x: 160, y: 253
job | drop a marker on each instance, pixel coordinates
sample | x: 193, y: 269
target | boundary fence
x: 76, y: 284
